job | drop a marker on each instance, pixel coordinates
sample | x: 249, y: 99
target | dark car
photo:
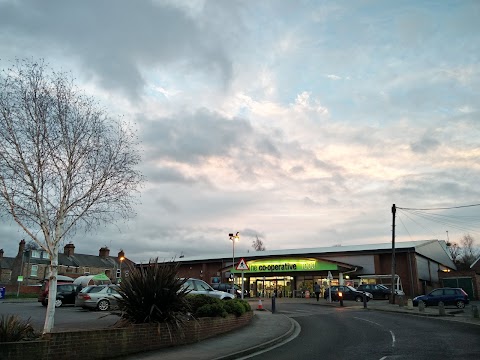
x: 378, y: 291
x: 66, y: 293
x: 228, y: 288
x: 348, y: 293
x: 449, y: 296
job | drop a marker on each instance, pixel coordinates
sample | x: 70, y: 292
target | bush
x: 152, y: 294
x: 12, y: 328
x: 234, y: 307
x: 197, y: 301
x: 207, y: 306
x: 211, y: 310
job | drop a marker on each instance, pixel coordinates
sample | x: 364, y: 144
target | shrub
x: 211, y: 310
x: 207, y: 306
x: 234, y: 307
x: 12, y: 328
x: 152, y: 294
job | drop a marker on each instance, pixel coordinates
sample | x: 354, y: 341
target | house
x: 32, y: 266
x: 468, y: 280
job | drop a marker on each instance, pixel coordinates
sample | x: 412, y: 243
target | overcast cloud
x: 297, y: 122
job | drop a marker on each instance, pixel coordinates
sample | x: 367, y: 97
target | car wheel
x: 44, y: 303
x: 358, y: 299
x: 460, y: 304
x: 58, y: 303
x: 386, y: 297
x: 103, y: 305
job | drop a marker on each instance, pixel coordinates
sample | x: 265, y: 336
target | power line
x: 441, y: 208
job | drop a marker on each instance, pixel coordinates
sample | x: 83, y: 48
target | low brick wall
x: 115, y: 342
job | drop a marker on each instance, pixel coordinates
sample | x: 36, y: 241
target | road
x: 66, y: 317
x: 342, y: 333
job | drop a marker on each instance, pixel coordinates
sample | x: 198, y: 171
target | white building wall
x: 367, y: 262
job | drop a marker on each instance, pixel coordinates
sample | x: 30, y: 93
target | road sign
x: 329, y: 276
x: 242, y: 265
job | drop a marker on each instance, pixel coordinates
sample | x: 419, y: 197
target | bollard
x: 475, y: 311
x: 273, y: 304
x: 401, y: 301
x: 409, y: 304
x: 441, y: 309
x: 364, y: 300
x: 421, y: 306
x: 340, y: 297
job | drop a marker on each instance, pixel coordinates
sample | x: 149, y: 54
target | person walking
x: 317, y: 290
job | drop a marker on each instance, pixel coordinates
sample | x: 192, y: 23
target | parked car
x: 378, y: 291
x: 197, y: 286
x: 101, y: 297
x: 449, y: 296
x: 228, y: 288
x: 348, y: 292
x: 66, y: 293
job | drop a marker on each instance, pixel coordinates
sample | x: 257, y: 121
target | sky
x: 297, y: 122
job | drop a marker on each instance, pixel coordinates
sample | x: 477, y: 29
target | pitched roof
x: 427, y: 248
x: 6, y: 262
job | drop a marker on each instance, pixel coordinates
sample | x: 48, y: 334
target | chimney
x: 104, y: 252
x: 1, y: 254
x: 69, y: 249
x: 21, y: 247
x: 121, y: 254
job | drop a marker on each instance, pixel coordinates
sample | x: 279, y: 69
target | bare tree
x: 258, y: 244
x: 468, y: 252
x: 32, y: 245
x: 64, y: 164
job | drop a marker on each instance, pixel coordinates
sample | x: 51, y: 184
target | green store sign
x: 287, y: 265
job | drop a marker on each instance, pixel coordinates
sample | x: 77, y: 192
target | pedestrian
x: 317, y: 290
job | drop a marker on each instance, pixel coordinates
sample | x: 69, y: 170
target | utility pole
x: 392, y: 297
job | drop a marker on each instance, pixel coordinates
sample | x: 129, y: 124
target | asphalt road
x: 66, y: 317
x: 342, y: 333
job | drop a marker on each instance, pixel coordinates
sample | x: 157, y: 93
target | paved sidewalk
x: 265, y: 330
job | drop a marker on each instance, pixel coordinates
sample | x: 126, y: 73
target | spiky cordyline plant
x: 12, y: 328
x: 153, y: 293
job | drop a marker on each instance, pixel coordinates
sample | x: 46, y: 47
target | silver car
x: 101, y: 297
x: 200, y: 287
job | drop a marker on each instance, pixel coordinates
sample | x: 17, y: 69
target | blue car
x: 449, y: 296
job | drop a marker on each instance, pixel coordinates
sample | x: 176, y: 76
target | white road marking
x: 373, y: 322
x: 296, y: 332
x: 393, y: 338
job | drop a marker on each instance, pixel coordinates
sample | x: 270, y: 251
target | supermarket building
x: 420, y: 266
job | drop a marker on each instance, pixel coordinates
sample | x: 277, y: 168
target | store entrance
x: 268, y: 286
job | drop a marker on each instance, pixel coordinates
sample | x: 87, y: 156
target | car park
x: 449, y: 296
x: 66, y: 293
x: 228, y: 288
x: 348, y: 293
x: 200, y: 287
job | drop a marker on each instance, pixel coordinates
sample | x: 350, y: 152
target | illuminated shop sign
x: 288, y: 265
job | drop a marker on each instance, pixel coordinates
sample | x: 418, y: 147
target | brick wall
x: 113, y: 343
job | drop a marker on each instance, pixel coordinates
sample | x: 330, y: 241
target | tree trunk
x: 52, y: 292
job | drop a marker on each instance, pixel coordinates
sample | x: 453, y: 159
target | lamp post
x: 121, y: 263
x: 233, y: 238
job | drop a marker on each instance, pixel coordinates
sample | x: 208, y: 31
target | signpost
x: 242, y: 265
x: 329, y: 277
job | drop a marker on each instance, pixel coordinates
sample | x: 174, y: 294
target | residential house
x: 33, y: 265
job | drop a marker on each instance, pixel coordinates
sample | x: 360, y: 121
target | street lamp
x: 234, y: 238
x: 121, y: 263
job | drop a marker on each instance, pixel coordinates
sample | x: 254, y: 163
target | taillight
x: 85, y: 296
